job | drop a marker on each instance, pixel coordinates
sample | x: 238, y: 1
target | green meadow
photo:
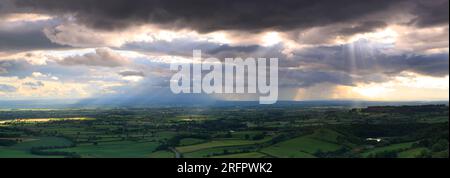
x: 305, y: 146
x: 219, y: 143
x: 272, y: 132
x: 125, y: 149
x: 22, y: 149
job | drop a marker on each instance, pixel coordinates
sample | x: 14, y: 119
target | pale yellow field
x: 35, y: 120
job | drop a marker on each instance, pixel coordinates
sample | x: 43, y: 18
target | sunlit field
x: 37, y: 120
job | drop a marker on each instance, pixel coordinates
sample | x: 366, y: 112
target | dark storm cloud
x: 211, y: 15
x: 432, y: 65
x: 431, y: 12
x: 5, y: 6
x: 234, y: 49
x: 361, y: 61
x: 26, y: 36
x: 344, y: 72
x: 184, y: 47
x: 365, y: 58
x: 363, y: 27
x: 101, y: 57
x: 30, y: 40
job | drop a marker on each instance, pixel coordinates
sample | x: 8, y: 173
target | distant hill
x: 147, y: 101
x: 190, y: 100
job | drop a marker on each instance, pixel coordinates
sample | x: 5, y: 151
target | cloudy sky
x: 386, y: 50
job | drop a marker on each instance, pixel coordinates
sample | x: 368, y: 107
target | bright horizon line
x: 308, y: 100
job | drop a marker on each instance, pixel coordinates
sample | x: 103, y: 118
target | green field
x: 226, y: 132
x: 124, y: 149
x: 243, y: 155
x: 393, y: 147
x: 38, y: 120
x: 190, y: 141
x: 323, y: 140
x: 22, y: 149
x: 244, y: 134
x: 218, y: 151
x: 219, y: 143
x: 301, y: 147
x: 412, y: 153
x: 162, y: 154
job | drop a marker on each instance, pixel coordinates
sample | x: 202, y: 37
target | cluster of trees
x: 47, y: 151
x: 7, y: 136
x: 259, y: 136
x: 227, y: 152
x: 7, y: 142
x: 175, y: 141
x: 343, y: 152
x: 385, y: 154
x: 408, y: 110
